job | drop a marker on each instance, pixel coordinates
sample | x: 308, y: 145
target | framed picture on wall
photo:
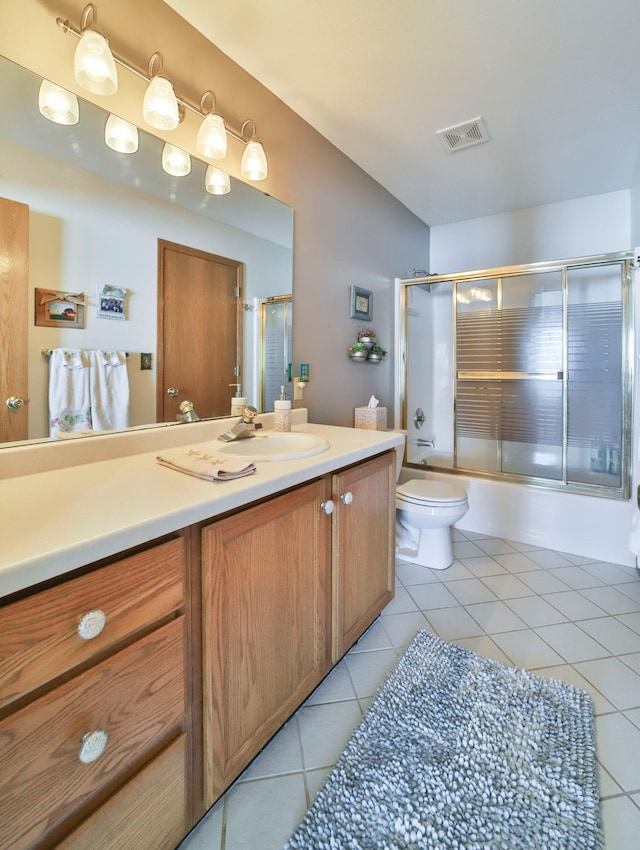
x: 361, y: 304
x: 59, y: 309
x: 111, y: 302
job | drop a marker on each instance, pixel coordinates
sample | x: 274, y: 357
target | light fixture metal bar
x: 68, y: 27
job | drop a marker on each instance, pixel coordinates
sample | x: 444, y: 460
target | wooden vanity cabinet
x: 363, y: 548
x: 93, y: 698
x: 288, y: 587
x: 266, y: 575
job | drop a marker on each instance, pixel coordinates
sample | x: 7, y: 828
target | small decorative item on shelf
x: 376, y: 354
x: 367, y: 348
x: 367, y: 336
x: 358, y: 352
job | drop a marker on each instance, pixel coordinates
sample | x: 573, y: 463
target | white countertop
x: 57, y: 520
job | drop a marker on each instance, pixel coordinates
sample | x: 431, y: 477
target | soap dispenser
x: 238, y: 402
x: 282, y: 412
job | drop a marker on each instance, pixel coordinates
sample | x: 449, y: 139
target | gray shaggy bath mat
x: 459, y: 752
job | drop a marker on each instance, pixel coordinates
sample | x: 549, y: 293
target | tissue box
x: 371, y: 418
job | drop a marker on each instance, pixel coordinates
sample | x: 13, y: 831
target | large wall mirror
x: 96, y: 218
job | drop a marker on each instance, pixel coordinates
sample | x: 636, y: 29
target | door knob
x: 14, y: 402
x: 173, y: 392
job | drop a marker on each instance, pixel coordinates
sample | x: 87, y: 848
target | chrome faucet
x: 187, y: 411
x: 244, y: 428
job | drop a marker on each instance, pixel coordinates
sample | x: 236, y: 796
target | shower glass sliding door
x: 277, y: 345
x: 536, y: 369
x: 509, y: 387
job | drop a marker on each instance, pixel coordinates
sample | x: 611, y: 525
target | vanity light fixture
x: 93, y: 64
x: 216, y: 181
x: 254, y: 160
x: 160, y: 104
x: 58, y: 104
x: 163, y: 109
x: 212, y: 135
x: 120, y: 135
x: 175, y: 161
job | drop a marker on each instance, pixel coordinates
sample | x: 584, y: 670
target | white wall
x: 584, y: 525
x: 87, y: 231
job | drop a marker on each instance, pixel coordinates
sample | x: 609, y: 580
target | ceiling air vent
x: 465, y: 135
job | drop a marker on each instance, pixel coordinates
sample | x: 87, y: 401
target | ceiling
x: 556, y: 81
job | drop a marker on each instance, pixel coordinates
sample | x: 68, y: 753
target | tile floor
x: 560, y: 615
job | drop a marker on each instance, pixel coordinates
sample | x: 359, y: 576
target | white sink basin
x: 275, y: 445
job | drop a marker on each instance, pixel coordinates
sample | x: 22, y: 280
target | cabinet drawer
x: 136, y: 696
x: 40, y: 637
x: 148, y: 813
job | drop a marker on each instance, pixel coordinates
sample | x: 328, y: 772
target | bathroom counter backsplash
x: 59, y: 519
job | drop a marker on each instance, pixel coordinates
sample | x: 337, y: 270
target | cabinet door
x: 363, y: 548
x: 266, y: 619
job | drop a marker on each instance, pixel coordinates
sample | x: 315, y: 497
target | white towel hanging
x: 109, y: 390
x: 69, y: 396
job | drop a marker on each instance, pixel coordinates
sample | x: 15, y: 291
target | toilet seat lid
x: 431, y: 491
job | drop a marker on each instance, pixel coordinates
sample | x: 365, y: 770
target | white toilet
x: 425, y: 512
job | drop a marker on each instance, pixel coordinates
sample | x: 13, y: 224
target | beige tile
x: 517, y: 562
x: 368, y: 670
x: 577, y: 577
x: 621, y: 824
x: 457, y: 570
x: 401, y: 603
x: 612, y: 600
x: 619, y: 749
x: 613, y: 635
x: 207, y: 834
x: 634, y: 716
x: 401, y: 628
x: 574, y: 605
x: 282, y: 754
x: 454, y: 623
x: 485, y: 646
x: 466, y: 549
x: 336, y: 687
x: 507, y: 587
x: 632, y: 660
x: 548, y: 559
x: 608, y: 786
x: 611, y: 573
x: 543, y: 582
x: 483, y: 566
x: 428, y: 596
x: 495, y: 617
x: 527, y: 650
x: 535, y: 611
x: 632, y: 621
x: 469, y: 591
x: 411, y: 574
x: 495, y: 546
x: 374, y: 638
x: 617, y: 682
x: 325, y: 730
x: 265, y: 813
x: 571, y: 642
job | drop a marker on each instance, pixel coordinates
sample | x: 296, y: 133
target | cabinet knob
x: 92, y: 745
x: 346, y: 498
x: 327, y: 506
x: 91, y: 624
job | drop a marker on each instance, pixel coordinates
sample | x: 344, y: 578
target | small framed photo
x: 361, y: 304
x: 59, y: 309
x: 111, y: 302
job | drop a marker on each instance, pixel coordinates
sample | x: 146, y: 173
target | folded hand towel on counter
x: 204, y: 464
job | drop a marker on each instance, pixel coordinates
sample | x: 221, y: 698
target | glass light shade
x: 93, y: 65
x: 120, y: 135
x: 216, y: 181
x: 175, y: 161
x: 58, y: 104
x: 160, y: 106
x: 254, y: 162
x: 212, y: 137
